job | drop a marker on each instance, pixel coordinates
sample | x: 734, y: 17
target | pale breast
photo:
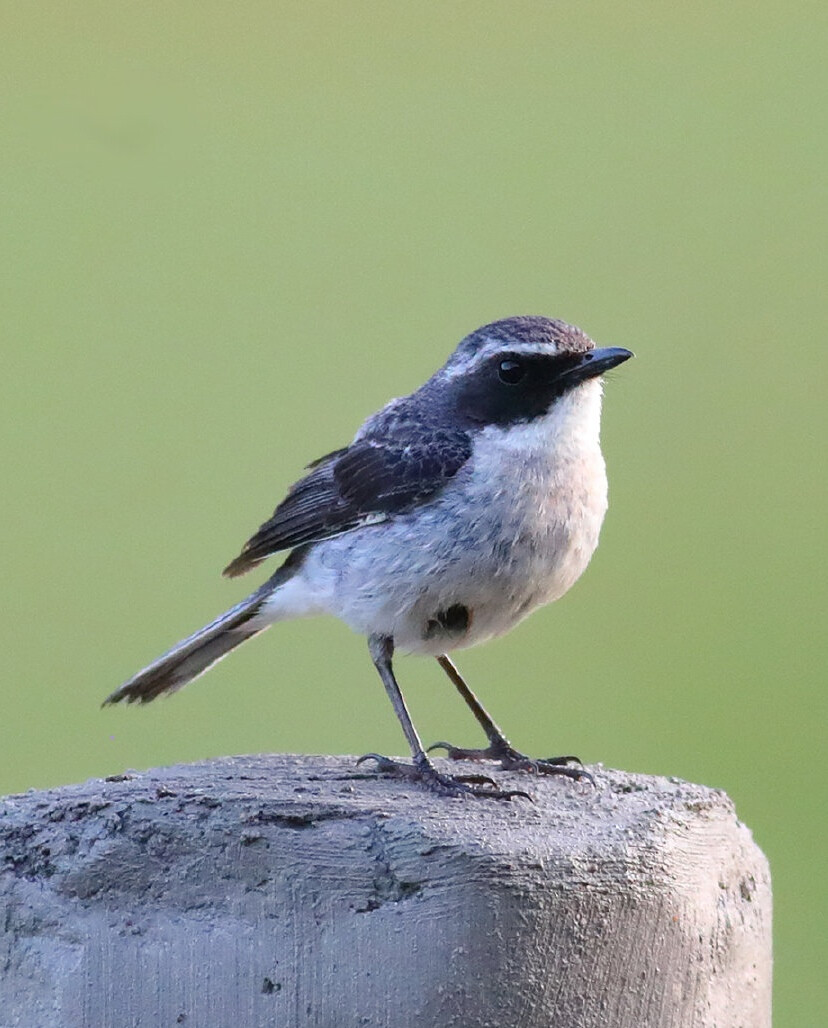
x: 532, y: 553
x: 514, y: 530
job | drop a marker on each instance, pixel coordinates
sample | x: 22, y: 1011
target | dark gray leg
x: 499, y: 747
x: 422, y: 769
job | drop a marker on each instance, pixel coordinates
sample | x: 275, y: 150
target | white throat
x: 570, y: 430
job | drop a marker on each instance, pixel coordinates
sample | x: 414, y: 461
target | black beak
x: 596, y: 362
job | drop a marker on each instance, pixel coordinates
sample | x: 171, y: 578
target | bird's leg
x: 499, y: 747
x: 422, y: 769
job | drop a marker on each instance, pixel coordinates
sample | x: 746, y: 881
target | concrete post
x: 295, y: 891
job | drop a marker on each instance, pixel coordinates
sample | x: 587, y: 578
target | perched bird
x: 453, y: 514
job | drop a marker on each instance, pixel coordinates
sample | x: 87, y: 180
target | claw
x: 439, y: 746
x: 476, y: 780
x: 378, y: 757
x: 454, y: 753
x: 424, y: 772
x: 511, y: 759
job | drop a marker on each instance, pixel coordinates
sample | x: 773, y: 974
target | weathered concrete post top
x: 295, y: 891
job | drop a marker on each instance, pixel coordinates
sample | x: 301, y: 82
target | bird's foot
x: 424, y: 772
x: 511, y: 759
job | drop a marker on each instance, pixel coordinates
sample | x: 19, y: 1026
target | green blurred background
x: 232, y: 231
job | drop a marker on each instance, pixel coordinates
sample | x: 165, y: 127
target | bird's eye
x: 511, y: 371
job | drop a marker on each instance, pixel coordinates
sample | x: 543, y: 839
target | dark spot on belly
x: 454, y: 620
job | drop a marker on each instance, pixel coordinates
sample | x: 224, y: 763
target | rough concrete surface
x: 287, y: 891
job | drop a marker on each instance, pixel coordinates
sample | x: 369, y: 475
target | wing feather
x: 368, y: 482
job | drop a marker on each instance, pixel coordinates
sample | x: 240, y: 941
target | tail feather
x: 195, y: 654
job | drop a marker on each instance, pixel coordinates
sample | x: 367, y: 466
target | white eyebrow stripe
x: 491, y: 349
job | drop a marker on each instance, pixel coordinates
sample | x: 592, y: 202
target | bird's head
x: 517, y: 370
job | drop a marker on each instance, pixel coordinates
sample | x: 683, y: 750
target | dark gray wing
x: 373, y: 479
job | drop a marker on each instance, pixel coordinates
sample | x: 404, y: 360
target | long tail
x: 194, y: 655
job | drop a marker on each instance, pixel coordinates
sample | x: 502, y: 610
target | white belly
x: 510, y: 564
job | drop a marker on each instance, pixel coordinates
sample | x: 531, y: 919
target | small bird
x: 453, y: 514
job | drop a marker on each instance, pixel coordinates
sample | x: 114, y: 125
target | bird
x: 454, y: 513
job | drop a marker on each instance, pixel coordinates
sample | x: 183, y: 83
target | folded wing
x: 377, y: 477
